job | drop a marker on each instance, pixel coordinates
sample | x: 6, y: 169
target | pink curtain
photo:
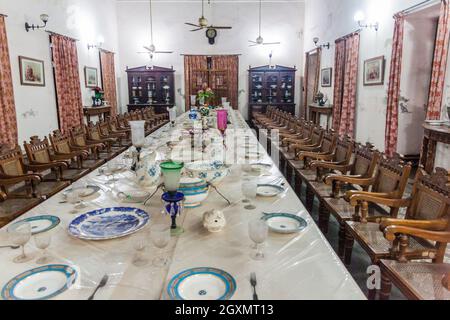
x: 8, y: 121
x: 347, y: 122
x: 109, y: 79
x: 439, y: 64
x: 345, y: 84
x: 67, y: 82
x: 391, y: 133
x: 339, y: 64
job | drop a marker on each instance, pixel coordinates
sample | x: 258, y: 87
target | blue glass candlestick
x: 173, y: 206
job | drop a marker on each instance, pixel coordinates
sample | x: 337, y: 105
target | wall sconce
x: 325, y: 45
x: 360, y: 17
x: 99, y: 44
x: 44, y: 17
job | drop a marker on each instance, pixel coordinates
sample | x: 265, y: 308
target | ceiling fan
x: 260, y: 39
x: 203, y: 22
x: 151, y: 49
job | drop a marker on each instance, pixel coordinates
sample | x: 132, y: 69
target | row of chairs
x: 364, y: 190
x: 54, y: 162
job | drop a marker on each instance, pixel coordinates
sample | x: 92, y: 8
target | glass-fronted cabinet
x: 274, y: 86
x: 153, y: 86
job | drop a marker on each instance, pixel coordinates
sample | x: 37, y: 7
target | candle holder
x: 173, y: 200
x: 173, y: 206
x: 138, y: 141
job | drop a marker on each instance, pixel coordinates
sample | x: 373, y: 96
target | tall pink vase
x: 222, y: 119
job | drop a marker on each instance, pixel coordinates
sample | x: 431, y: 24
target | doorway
x: 312, y: 73
x: 418, y: 53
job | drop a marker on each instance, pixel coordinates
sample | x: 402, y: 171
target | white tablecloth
x: 300, y: 266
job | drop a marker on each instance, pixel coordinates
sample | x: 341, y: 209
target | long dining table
x: 296, y: 266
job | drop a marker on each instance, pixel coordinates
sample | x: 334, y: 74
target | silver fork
x: 253, y: 283
x: 100, y: 285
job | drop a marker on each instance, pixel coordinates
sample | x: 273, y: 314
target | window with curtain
x: 109, y: 79
x: 67, y: 81
x: 8, y: 121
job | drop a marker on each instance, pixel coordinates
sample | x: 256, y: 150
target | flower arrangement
x: 97, y: 99
x: 205, y: 94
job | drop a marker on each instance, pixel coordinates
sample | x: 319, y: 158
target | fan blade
x: 217, y: 27
x: 252, y: 41
x: 253, y: 45
x: 192, y: 24
x: 196, y: 29
x: 163, y: 51
x: 147, y: 48
x: 270, y: 43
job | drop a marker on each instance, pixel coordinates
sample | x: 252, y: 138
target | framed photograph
x: 31, y: 72
x: 374, y: 71
x: 326, y: 77
x: 91, y: 77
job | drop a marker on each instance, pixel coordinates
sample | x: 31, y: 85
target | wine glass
x: 248, y: 188
x: 160, y: 234
x: 140, y: 244
x: 258, y: 231
x: 73, y: 197
x: 20, y: 234
x: 42, y: 241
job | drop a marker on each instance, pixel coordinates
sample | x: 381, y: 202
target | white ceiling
x: 218, y: 1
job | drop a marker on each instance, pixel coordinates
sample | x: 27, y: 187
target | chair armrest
x: 351, y: 193
x: 45, y: 166
x: 11, y: 180
x: 315, y: 155
x: 308, y: 148
x: 364, y: 182
x: 332, y: 166
x: 435, y: 225
x: 390, y: 233
x: 393, y: 203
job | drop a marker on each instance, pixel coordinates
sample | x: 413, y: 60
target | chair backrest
x: 60, y: 142
x: 430, y: 196
x: 329, y: 141
x: 38, y: 150
x: 366, y: 159
x: 392, y: 175
x: 344, y: 150
x: 317, y: 135
x: 78, y: 136
x: 11, y: 160
x: 103, y: 126
x: 93, y: 131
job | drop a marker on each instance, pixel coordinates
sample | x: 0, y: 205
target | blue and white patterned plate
x: 40, y: 283
x: 284, y: 222
x: 108, y: 223
x: 201, y: 284
x: 41, y: 224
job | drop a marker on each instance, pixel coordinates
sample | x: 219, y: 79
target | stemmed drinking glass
x: 20, y: 234
x: 160, y: 234
x: 42, y: 241
x: 140, y: 244
x: 258, y: 231
x: 248, y: 188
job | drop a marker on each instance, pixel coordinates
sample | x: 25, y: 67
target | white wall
x: 85, y: 20
x: 282, y: 21
x: 331, y: 19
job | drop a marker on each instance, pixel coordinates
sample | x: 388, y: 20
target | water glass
x: 160, y: 234
x: 42, y: 241
x: 248, y: 188
x: 258, y: 231
x: 20, y: 234
x: 140, y: 245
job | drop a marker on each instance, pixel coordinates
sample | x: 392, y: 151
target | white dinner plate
x: 41, y: 223
x: 285, y: 222
x: 269, y: 190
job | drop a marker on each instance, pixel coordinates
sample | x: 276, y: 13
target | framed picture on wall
x: 374, y: 71
x: 326, y: 77
x: 91, y: 77
x: 31, y: 72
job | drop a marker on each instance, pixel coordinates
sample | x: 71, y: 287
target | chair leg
x: 324, y: 218
x: 372, y: 294
x: 309, y: 198
x: 349, y: 241
x: 298, y: 184
x: 341, y: 245
x: 289, y: 174
x: 282, y: 165
x: 386, y: 287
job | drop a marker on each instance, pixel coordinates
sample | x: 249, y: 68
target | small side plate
x: 285, y: 222
x: 269, y: 190
x: 86, y: 192
x: 40, y: 224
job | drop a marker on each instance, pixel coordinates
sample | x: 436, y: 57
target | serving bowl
x: 209, y: 171
x: 195, y: 191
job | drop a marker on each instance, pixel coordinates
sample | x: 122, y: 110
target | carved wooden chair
x: 79, y: 139
x: 259, y: 117
x: 423, y: 233
x: 40, y: 152
x: 150, y: 121
x: 62, y: 144
x: 390, y: 182
x: 120, y: 138
x: 115, y: 127
x: 94, y: 135
x: 363, y: 166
